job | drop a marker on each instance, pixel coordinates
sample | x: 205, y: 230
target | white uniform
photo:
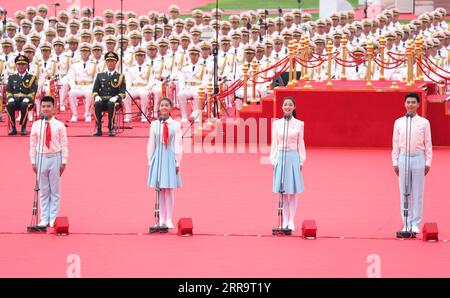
x: 49, y: 71
x: 160, y: 72
x: 64, y: 61
x: 137, y: 79
x: 81, y: 78
x: 192, y: 77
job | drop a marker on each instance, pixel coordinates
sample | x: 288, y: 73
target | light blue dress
x: 168, y: 174
x: 293, y: 178
x: 293, y: 148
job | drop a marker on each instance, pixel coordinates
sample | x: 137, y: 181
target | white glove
x: 113, y: 99
x: 11, y: 100
x: 26, y: 100
x: 98, y: 98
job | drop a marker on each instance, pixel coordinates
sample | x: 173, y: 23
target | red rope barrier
x: 309, y: 66
x: 421, y: 65
x: 428, y: 60
x: 380, y: 64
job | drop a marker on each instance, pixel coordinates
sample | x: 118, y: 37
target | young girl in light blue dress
x: 293, y: 148
x: 165, y: 144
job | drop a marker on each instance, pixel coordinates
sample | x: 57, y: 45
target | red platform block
x: 185, y: 227
x: 61, y: 225
x: 430, y: 231
x: 309, y: 229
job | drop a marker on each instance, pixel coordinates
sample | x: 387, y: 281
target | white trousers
x: 80, y: 91
x: 49, y: 185
x: 63, y: 91
x: 156, y: 91
x: 416, y: 181
x: 137, y: 92
x: 186, y: 94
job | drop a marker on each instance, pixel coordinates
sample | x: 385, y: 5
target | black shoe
x: 98, y: 133
x: 13, y: 131
x: 112, y: 133
x: 23, y: 131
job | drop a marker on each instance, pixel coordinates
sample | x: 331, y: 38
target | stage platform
x: 351, y: 193
x: 350, y: 114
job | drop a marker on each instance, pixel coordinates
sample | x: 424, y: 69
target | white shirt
x: 294, y: 139
x: 174, y: 128
x: 420, y: 138
x: 58, y: 141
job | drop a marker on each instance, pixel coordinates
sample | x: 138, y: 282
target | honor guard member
x: 358, y: 72
x: 49, y: 69
x: 249, y: 55
x: 137, y: 78
x: 35, y: 69
x: 80, y: 78
x: 193, y: 76
x: 225, y: 59
x: 20, y: 92
x: 160, y: 71
x: 109, y: 92
x: 72, y: 52
x: 63, y: 65
x: 7, y: 65
x: 109, y: 16
x: 97, y: 56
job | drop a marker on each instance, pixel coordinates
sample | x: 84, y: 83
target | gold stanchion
x: 294, y: 63
x: 394, y: 85
x: 419, y: 55
x: 201, y: 100
x: 330, y: 57
x: 220, y: 107
x: 344, y: 57
x: 369, y: 63
x: 382, y: 49
x: 254, y: 66
x: 245, y: 71
x: 305, y: 47
x: 209, y: 99
x: 291, y: 63
x: 409, y: 60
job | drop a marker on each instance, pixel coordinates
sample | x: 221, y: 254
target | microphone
x: 287, y: 117
x: 409, y: 115
x: 162, y: 119
x: 42, y: 117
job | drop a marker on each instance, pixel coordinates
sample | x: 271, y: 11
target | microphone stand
x: 407, y: 182
x: 157, y: 228
x: 55, y: 6
x: 34, y: 227
x: 121, y: 37
x: 281, y: 230
x: 280, y: 12
x: 216, y: 66
x: 121, y: 68
x: 4, y: 24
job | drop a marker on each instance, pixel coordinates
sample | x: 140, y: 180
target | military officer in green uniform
x: 20, y: 92
x: 109, y: 92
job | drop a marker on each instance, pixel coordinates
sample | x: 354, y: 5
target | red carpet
x: 350, y: 193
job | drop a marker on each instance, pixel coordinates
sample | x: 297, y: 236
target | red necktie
x: 166, y: 134
x: 48, y: 134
